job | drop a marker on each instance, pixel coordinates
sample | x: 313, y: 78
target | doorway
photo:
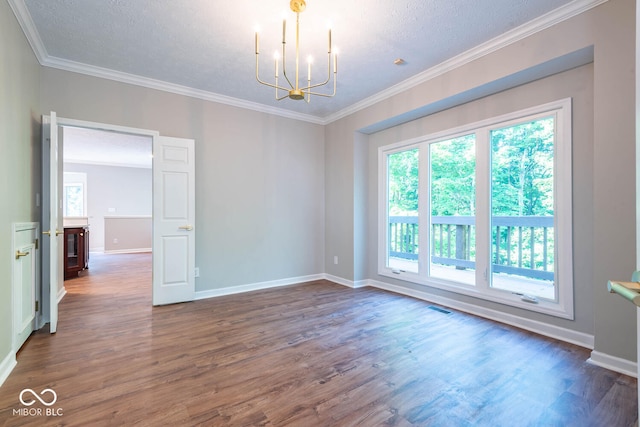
x: 173, y: 213
x: 108, y: 185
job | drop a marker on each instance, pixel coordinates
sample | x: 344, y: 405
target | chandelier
x: 292, y: 86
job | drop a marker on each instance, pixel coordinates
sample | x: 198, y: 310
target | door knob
x: 48, y: 233
x: 187, y: 227
x: 21, y: 254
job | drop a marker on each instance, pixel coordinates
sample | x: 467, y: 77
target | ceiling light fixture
x: 293, y: 89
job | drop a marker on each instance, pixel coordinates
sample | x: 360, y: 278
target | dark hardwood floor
x: 315, y: 354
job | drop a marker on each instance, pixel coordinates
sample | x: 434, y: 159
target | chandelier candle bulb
x: 329, y: 40
x: 284, y: 30
x: 275, y: 60
x: 257, y: 45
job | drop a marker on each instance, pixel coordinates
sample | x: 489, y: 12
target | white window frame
x: 563, y: 225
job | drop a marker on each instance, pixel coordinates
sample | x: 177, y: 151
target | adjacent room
x: 416, y: 226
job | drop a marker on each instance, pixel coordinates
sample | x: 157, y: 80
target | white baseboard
x: 563, y: 334
x: 6, y: 366
x: 339, y: 280
x: 128, y: 251
x: 614, y: 363
x: 61, y: 293
x: 541, y: 328
x: 346, y: 282
x: 212, y: 293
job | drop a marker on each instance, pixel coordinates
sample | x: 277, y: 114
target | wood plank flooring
x: 315, y: 354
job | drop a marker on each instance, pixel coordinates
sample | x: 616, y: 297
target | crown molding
x: 29, y: 29
x: 23, y: 16
x: 105, y: 73
x: 541, y: 23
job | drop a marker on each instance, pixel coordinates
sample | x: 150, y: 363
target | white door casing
x: 173, y: 220
x: 52, y: 228
x: 173, y: 215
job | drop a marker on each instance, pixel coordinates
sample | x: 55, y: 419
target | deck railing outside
x: 521, y: 246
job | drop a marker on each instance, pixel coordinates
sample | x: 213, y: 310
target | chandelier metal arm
x: 328, y: 76
x: 326, y: 95
x: 295, y: 91
x: 284, y: 65
x: 276, y: 86
x: 282, y: 97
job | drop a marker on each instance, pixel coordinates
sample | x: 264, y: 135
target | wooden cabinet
x: 76, y: 251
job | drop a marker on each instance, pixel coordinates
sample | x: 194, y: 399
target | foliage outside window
x: 484, y: 209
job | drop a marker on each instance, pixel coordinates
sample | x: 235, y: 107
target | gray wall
x: 576, y: 84
x: 128, y: 233
x: 128, y: 190
x: 259, y: 177
x: 20, y: 147
x: 605, y: 217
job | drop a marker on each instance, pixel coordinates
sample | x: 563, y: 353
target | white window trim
x: 563, y: 224
x: 75, y: 178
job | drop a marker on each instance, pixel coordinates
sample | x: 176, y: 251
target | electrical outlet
x: 115, y: 241
x: 196, y: 272
x: 335, y: 259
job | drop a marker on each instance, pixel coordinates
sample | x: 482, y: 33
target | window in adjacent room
x: 74, y: 194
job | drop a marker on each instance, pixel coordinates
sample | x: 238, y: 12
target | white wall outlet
x: 115, y: 241
x: 111, y: 210
x: 196, y: 272
x: 335, y: 259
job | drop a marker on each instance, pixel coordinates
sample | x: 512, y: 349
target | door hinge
x: 37, y: 305
x: 36, y: 243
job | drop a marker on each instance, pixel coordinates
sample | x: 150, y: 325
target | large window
x: 402, y: 211
x: 484, y: 209
x: 452, y: 196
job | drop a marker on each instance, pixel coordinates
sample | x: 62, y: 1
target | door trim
x: 62, y: 122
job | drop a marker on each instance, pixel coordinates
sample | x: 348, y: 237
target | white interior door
x: 173, y: 220
x: 51, y: 220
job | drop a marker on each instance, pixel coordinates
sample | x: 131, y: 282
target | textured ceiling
x: 207, y: 46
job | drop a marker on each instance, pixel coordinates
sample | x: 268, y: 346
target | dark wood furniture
x: 76, y: 251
